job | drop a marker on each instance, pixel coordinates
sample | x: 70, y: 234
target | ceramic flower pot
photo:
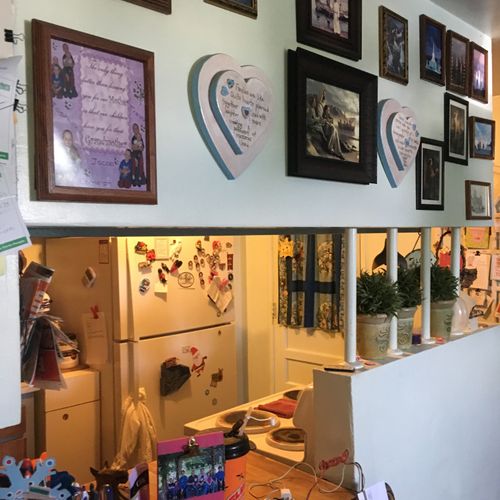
x: 442, y: 318
x: 406, y: 316
x: 373, y: 335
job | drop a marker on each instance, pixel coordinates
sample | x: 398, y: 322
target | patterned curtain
x: 310, y: 281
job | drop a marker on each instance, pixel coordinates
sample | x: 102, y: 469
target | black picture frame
x: 430, y: 175
x: 389, y: 37
x: 457, y: 63
x: 248, y: 9
x: 432, y: 62
x: 480, y: 130
x: 352, y: 159
x: 456, y: 129
x: 477, y: 200
x: 316, y: 27
x: 478, y: 72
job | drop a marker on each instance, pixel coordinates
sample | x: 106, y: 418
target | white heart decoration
x: 233, y: 108
x: 398, y: 139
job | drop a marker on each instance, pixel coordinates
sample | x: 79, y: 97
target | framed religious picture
x: 393, y: 46
x: 478, y: 78
x: 482, y: 138
x: 477, y: 200
x: 94, y: 118
x: 332, y: 120
x: 430, y: 175
x: 331, y: 25
x: 163, y: 6
x: 432, y: 50
x: 457, y: 63
x: 245, y: 7
x: 456, y: 117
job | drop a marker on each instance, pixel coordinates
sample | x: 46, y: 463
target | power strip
x: 285, y: 494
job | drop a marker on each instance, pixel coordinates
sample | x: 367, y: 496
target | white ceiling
x: 482, y: 14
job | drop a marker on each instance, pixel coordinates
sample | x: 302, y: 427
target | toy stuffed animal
x: 111, y: 477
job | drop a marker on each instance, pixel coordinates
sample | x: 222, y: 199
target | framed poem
x: 163, y: 6
x: 478, y: 78
x: 334, y: 26
x: 245, y: 7
x: 94, y: 118
x: 482, y: 138
x: 332, y: 120
x: 432, y: 50
x: 477, y: 200
x: 430, y: 175
x: 457, y: 63
x: 393, y: 46
x: 456, y: 117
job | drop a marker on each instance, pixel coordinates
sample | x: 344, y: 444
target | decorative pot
x: 442, y: 318
x: 373, y: 335
x: 406, y: 315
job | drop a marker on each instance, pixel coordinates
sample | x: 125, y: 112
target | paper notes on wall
x: 96, y: 339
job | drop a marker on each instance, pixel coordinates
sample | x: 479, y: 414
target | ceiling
x: 482, y: 14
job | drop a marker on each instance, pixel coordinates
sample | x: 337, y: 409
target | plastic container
x: 236, y: 450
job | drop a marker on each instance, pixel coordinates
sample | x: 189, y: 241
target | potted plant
x: 377, y: 301
x: 410, y: 294
x: 444, y: 292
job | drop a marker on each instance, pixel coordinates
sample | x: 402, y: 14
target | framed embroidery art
x: 94, y: 118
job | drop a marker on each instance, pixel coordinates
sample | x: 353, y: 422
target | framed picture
x: 94, y: 118
x: 393, y: 46
x: 482, y: 138
x: 331, y: 25
x: 332, y: 120
x: 163, y: 6
x: 477, y: 200
x: 245, y: 7
x: 432, y: 50
x: 456, y: 117
x: 457, y: 63
x: 478, y: 83
x: 430, y: 175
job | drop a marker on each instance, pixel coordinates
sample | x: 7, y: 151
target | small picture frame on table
x: 482, y: 138
x: 332, y: 120
x: 477, y: 200
x: 94, y: 111
x: 456, y: 129
x: 245, y: 7
x: 334, y: 26
x: 432, y: 50
x: 430, y: 175
x: 393, y: 46
x: 457, y: 63
x: 478, y: 78
x: 163, y: 6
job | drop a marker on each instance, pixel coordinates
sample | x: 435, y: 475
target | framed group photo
x: 432, y: 50
x: 393, y: 46
x: 430, y: 175
x: 478, y: 84
x: 332, y: 121
x: 482, y: 138
x: 94, y: 118
x: 477, y: 200
x: 457, y: 63
x: 331, y: 25
x: 245, y: 7
x: 456, y: 117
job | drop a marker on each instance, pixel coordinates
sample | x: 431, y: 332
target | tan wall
x: 496, y: 66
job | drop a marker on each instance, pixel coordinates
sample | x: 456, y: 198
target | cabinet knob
x: 65, y: 416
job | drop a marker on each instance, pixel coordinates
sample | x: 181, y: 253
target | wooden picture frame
x: 245, y: 7
x: 332, y: 120
x: 95, y: 125
x: 163, y: 6
x: 482, y: 138
x: 477, y: 200
x: 430, y: 175
x: 456, y: 129
x: 478, y: 75
x: 335, y: 29
x: 393, y: 46
x: 457, y: 63
x: 432, y: 50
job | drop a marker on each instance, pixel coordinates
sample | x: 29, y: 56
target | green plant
x: 444, y: 286
x: 375, y: 294
x: 408, y: 285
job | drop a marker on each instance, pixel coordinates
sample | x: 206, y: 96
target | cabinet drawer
x: 83, y: 386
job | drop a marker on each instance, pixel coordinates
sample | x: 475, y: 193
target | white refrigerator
x: 144, y: 323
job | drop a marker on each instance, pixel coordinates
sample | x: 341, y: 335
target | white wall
x: 433, y: 431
